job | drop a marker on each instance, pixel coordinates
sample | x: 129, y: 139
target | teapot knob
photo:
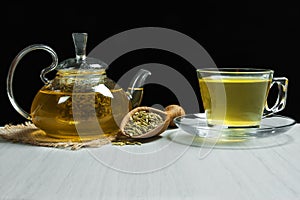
x: 80, y: 40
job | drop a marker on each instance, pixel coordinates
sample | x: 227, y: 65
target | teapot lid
x: 81, y: 62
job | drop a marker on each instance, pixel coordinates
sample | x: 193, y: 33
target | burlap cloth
x: 28, y: 133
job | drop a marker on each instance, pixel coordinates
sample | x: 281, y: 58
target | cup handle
x: 280, y: 103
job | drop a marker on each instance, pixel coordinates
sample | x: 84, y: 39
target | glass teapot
x: 81, y: 102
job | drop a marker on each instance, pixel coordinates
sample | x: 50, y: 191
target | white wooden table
x: 161, y: 169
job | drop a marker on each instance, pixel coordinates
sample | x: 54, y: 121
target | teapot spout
x: 135, y: 90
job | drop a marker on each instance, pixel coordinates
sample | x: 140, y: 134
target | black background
x: 248, y: 34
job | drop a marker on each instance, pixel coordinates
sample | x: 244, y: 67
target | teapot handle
x: 13, y: 66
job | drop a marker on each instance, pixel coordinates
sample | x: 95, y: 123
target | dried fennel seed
x: 141, y: 122
x: 122, y: 143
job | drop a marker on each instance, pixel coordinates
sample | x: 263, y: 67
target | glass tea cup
x: 237, y: 97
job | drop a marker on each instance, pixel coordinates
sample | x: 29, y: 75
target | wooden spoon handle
x: 173, y: 111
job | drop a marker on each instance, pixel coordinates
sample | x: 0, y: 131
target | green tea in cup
x: 237, y: 97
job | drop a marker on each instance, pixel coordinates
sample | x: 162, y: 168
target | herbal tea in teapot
x: 81, y: 102
x: 58, y: 111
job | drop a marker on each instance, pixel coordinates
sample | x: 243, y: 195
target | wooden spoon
x: 168, y: 115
